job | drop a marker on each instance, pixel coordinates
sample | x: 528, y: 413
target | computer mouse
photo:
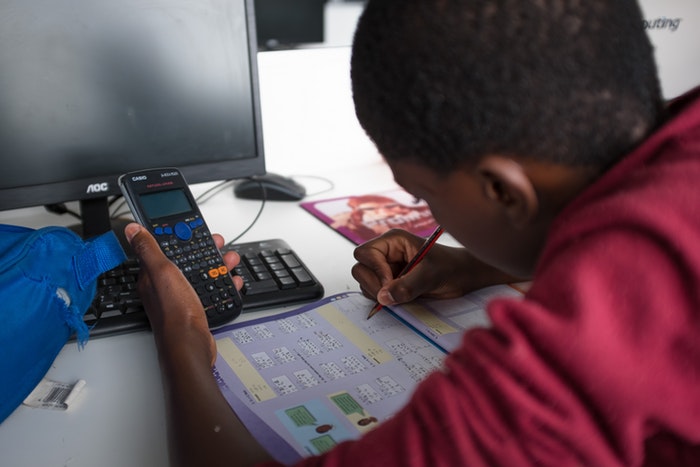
x: 270, y: 186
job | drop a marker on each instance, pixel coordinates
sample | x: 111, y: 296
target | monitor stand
x: 96, y: 220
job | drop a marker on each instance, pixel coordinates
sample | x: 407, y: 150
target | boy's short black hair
x: 444, y: 82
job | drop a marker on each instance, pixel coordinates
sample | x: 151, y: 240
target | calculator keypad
x: 192, y: 249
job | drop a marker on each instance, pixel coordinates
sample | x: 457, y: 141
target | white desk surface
x: 310, y: 130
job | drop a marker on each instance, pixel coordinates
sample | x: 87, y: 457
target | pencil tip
x: 374, y: 310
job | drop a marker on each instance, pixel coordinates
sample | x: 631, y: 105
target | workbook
x: 306, y: 380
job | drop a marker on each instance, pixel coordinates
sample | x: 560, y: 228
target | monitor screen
x: 90, y: 89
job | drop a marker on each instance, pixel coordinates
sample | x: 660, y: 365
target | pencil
x: 424, y: 249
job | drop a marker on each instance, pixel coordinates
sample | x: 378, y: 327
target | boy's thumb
x: 142, y: 243
x: 400, y: 290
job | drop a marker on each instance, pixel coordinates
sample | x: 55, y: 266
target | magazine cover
x: 362, y: 217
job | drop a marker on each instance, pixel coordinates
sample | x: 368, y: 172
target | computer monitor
x: 284, y: 24
x: 90, y: 89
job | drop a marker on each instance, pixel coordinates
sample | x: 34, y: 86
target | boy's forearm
x: 203, y: 430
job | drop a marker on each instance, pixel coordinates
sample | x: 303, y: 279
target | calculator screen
x: 165, y: 203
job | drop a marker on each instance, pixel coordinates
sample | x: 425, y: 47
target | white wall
x: 340, y: 19
x: 673, y: 26
x: 674, y: 29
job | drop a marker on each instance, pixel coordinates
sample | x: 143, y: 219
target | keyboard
x: 272, y: 273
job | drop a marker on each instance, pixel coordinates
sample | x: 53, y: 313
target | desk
x: 309, y: 129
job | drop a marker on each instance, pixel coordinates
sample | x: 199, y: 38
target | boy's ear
x: 506, y: 182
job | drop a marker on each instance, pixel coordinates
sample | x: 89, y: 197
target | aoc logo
x: 670, y: 24
x: 98, y: 187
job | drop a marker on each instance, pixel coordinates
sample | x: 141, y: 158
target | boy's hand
x: 173, y: 307
x: 445, y: 272
x: 187, y: 351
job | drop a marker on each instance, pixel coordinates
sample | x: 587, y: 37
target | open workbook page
x: 306, y: 380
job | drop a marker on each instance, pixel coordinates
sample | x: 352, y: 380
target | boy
x: 535, y: 131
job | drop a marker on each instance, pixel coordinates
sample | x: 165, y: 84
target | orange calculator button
x: 214, y: 273
x: 223, y: 270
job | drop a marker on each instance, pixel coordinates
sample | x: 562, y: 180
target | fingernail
x: 131, y: 230
x: 385, y: 298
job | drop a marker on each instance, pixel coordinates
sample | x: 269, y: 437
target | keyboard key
x: 302, y: 276
x: 290, y: 261
x: 258, y: 287
x: 287, y: 282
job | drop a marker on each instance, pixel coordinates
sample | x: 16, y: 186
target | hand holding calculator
x: 161, y: 201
